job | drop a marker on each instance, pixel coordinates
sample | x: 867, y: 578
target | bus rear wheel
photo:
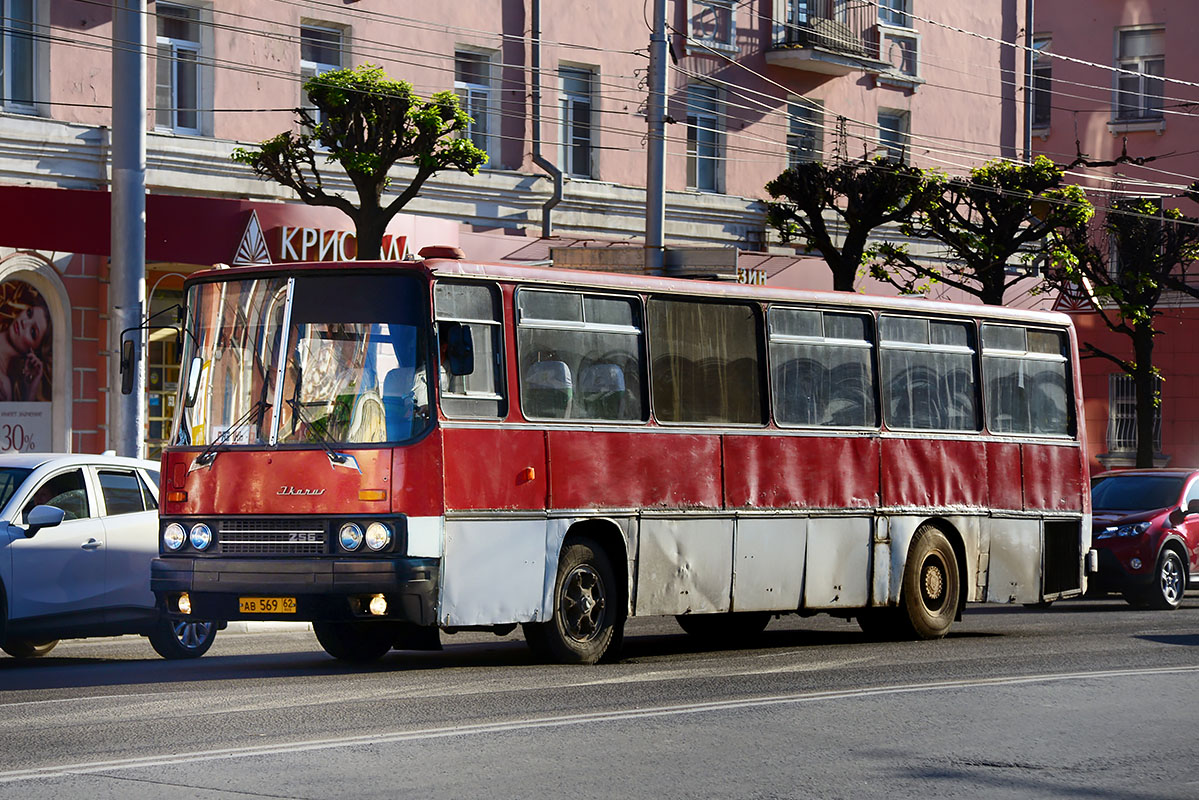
x: 355, y: 641
x: 931, y: 585
x: 586, y: 620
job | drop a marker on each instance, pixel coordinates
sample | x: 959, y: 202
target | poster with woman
x: 25, y: 374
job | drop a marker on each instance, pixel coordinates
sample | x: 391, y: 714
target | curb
x: 267, y: 627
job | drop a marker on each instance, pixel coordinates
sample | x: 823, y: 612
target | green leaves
x: 366, y: 123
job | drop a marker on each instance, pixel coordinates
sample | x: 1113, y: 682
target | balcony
x: 832, y: 37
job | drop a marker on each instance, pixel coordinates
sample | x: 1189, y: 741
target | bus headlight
x: 378, y: 536
x: 173, y: 536
x: 201, y: 536
x: 351, y: 536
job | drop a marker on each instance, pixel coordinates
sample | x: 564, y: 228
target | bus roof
x: 615, y: 281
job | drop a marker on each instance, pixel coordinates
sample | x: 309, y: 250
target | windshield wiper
x: 321, y: 435
x: 209, y: 453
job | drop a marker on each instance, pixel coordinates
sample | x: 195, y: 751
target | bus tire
x: 585, y: 620
x: 357, y: 642
x: 725, y: 629
x: 931, y: 585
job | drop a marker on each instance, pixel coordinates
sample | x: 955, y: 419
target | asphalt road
x: 1088, y: 699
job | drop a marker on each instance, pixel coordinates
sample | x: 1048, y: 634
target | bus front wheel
x: 931, y: 585
x: 355, y: 641
x: 586, y: 620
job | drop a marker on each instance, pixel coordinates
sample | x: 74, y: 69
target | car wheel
x: 586, y: 623
x: 358, y: 642
x: 25, y: 648
x: 175, y: 639
x: 725, y: 629
x: 1169, y: 583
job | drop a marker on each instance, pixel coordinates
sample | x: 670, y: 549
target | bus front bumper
x: 306, y: 590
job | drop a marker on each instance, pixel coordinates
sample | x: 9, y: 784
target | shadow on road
x: 67, y: 673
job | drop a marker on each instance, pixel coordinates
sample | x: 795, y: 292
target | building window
x: 177, y: 100
x: 703, y: 139
x: 893, y: 134
x: 901, y: 49
x: 472, y: 82
x: 1122, y: 414
x: 576, y: 121
x: 17, y: 54
x: 894, y: 12
x: 1042, y: 81
x: 805, y: 133
x: 713, y: 23
x: 1143, y: 52
x: 320, y: 51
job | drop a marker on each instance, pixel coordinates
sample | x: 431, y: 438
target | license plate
x: 266, y: 605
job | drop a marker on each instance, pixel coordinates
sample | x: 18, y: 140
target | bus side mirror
x: 192, y: 387
x: 127, y: 366
x: 460, y: 349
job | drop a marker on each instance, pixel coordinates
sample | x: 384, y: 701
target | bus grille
x: 272, y: 537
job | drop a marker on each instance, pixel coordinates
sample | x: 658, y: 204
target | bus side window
x: 822, y: 368
x: 928, y: 374
x: 470, y: 360
x: 581, y: 356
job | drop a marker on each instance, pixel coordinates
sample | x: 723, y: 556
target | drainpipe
x: 1028, y: 82
x: 547, y: 223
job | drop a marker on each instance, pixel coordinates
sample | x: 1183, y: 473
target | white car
x: 77, y: 533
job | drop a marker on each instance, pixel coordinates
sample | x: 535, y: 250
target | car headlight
x: 173, y: 536
x: 351, y: 536
x: 1136, y: 529
x: 378, y: 536
x: 201, y: 536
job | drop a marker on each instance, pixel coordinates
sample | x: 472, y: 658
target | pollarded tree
x: 366, y: 123
x: 1126, y: 268
x: 1004, y: 211
x: 864, y: 195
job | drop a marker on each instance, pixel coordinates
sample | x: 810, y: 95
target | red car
x: 1146, y: 529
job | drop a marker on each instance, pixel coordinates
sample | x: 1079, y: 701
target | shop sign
x: 318, y: 244
x: 25, y: 427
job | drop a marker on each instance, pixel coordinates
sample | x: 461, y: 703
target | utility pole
x: 655, y: 179
x: 127, y: 265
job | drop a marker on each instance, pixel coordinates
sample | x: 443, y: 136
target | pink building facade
x: 1125, y: 106
x: 753, y: 86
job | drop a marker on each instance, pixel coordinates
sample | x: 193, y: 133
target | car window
x: 11, y: 479
x: 122, y: 492
x: 1135, y: 492
x: 67, y: 491
x: 1192, y: 493
x: 148, y: 493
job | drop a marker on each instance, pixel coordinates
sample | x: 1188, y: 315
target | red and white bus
x: 390, y: 450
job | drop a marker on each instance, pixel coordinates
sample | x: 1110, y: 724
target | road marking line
x: 171, y: 759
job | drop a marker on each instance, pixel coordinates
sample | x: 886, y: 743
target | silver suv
x: 77, y: 533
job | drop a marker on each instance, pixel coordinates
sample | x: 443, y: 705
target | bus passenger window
x: 928, y: 374
x: 1026, y: 374
x: 470, y: 350
x: 581, y: 356
x: 822, y: 370
x: 704, y: 362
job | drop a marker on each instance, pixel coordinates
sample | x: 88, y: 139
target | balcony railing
x: 835, y: 25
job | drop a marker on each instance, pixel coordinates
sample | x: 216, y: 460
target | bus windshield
x: 354, y: 361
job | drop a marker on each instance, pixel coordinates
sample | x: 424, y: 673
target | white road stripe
x: 171, y: 759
